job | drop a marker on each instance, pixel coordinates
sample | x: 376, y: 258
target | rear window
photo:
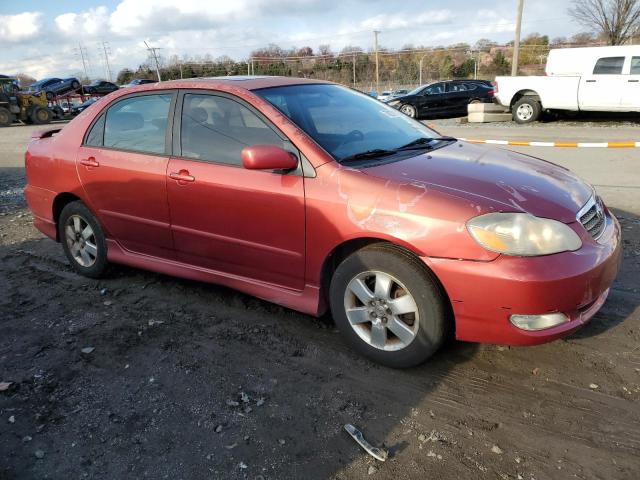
x: 609, y: 66
x: 138, y: 123
x: 635, y: 66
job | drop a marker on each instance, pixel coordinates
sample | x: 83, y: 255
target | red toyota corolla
x: 314, y: 196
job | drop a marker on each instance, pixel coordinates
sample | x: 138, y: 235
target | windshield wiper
x: 375, y: 153
x: 424, y: 142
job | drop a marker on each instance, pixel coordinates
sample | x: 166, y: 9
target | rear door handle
x: 182, y: 176
x: 591, y: 81
x: 89, y: 162
x: 633, y: 81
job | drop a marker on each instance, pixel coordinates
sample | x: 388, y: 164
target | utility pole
x: 375, y: 44
x: 152, y: 51
x: 420, y: 68
x: 516, y: 43
x: 107, y: 50
x: 81, y: 49
x: 354, y: 69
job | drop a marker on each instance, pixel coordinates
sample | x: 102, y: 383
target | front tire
x: 83, y: 240
x: 409, y: 110
x: 526, y: 110
x: 388, y: 306
x: 41, y: 115
x: 6, y: 117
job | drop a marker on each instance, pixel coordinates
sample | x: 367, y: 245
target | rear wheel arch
x: 61, y: 201
x: 525, y: 93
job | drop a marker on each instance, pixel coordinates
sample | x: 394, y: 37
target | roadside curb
x: 521, y: 143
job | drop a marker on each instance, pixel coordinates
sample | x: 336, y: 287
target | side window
x: 635, y: 66
x: 434, y: 89
x: 138, y: 123
x: 609, y: 66
x: 217, y: 129
x: 96, y: 134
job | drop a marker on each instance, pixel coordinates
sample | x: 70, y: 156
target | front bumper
x: 484, y: 294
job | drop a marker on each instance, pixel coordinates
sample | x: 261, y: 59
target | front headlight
x: 522, y: 234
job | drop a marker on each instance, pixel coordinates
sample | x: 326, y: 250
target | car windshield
x: 344, y: 122
x: 416, y: 91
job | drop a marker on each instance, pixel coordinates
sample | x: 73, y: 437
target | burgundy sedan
x: 315, y: 197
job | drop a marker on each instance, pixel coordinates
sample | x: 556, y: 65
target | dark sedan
x: 100, y: 86
x: 450, y: 97
x: 55, y: 86
x: 80, y: 108
x: 139, y: 81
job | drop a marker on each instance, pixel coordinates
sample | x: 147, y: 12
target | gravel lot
x: 146, y: 376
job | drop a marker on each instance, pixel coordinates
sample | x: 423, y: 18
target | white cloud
x: 92, y: 22
x: 406, y: 20
x: 20, y: 27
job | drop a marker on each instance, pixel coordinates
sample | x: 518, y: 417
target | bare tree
x: 617, y: 20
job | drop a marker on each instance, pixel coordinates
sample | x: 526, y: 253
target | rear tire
x: 41, y: 115
x: 6, y: 117
x: 75, y: 85
x: 409, y: 110
x: 83, y: 240
x: 389, y: 307
x: 526, y: 110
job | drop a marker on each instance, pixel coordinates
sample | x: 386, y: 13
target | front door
x: 122, y: 165
x: 431, y: 100
x: 602, y: 90
x: 240, y: 222
x: 631, y: 97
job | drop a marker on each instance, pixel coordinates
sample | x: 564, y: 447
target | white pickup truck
x: 600, y: 79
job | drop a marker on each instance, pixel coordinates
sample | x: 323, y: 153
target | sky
x: 44, y: 38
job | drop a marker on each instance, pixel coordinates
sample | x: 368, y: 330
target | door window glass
x: 635, y: 66
x: 217, y: 129
x: 609, y: 66
x: 94, y: 138
x: 138, y: 123
x: 434, y: 89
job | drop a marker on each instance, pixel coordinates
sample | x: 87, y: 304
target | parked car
x: 75, y: 110
x: 100, y: 86
x: 314, y: 196
x: 138, y: 81
x: 55, y: 86
x: 450, y: 98
x: 390, y: 95
x: 600, y: 79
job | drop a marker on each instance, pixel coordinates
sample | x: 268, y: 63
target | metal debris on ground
x: 377, y: 453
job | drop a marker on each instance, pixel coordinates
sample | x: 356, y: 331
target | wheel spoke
x: 87, y: 233
x: 85, y: 257
x: 71, y: 236
x: 76, y: 225
x: 358, y: 315
x: 383, y: 285
x: 360, y: 290
x: 401, y: 330
x: 74, y: 249
x: 378, y: 335
x: 402, y: 305
x: 91, y: 249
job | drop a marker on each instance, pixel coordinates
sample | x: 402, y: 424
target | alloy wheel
x: 381, y: 310
x: 408, y: 110
x: 81, y: 241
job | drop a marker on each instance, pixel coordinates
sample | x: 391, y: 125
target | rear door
x: 122, y: 165
x: 457, y: 97
x: 246, y: 223
x: 602, y: 89
x: 631, y: 97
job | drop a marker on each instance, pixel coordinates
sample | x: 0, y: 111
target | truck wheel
x: 41, y: 115
x: 6, y: 117
x: 526, y: 110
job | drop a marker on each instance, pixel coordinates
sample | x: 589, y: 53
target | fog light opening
x: 533, y: 323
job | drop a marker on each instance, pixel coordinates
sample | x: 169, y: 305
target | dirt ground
x: 145, y: 376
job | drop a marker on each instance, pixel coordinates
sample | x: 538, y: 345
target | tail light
x: 491, y: 92
x: 495, y: 87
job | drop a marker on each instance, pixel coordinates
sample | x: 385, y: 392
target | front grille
x: 593, y: 218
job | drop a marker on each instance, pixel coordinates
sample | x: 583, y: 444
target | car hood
x: 494, y: 178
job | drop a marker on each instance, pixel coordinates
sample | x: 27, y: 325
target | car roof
x: 245, y: 82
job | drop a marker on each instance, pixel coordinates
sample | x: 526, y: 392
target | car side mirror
x: 267, y: 157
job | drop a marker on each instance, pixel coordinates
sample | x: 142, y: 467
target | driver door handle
x: 182, y: 176
x: 89, y: 162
